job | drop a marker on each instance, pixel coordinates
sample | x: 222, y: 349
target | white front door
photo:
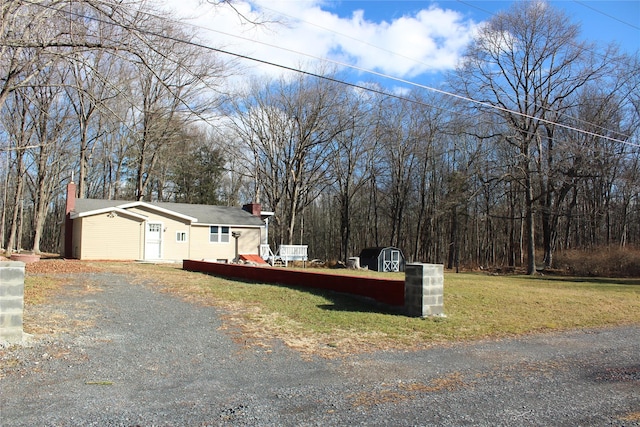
x: 153, y: 241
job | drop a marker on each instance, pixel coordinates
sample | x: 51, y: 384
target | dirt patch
x: 250, y: 326
x: 618, y: 374
x: 405, y: 391
x: 48, y: 312
x: 53, y: 266
x: 631, y: 417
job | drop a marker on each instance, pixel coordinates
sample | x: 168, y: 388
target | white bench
x: 285, y: 253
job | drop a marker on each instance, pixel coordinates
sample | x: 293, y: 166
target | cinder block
x: 11, y: 301
x: 10, y: 321
x: 436, y: 310
x: 10, y: 289
x: 424, y: 289
x: 11, y: 271
x: 436, y: 290
x: 12, y: 304
x: 430, y: 300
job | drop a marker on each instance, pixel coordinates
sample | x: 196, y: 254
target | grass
x: 477, y: 306
x: 490, y: 305
x: 38, y: 289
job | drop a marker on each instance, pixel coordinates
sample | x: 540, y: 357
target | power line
x: 581, y: 3
x: 581, y: 47
x: 387, y: 76
x: 335, y: 80
x: 399, y: 80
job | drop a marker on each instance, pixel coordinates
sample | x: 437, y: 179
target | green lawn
x: 320, y: 322
x: 476, y: 306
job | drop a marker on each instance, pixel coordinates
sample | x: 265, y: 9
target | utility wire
x: 386, y: 76
x: 581, y: 3
x: 491, y: 14
x: 342, y: 64
x: 396, y: 79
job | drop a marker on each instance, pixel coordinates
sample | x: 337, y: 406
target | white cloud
x: 404, y: 47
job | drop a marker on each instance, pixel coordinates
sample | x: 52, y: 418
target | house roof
x: 197, y: 214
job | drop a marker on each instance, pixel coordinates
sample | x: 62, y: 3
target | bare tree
x: 34, y: 35
x: 525, y: 65
x: 288, y: 127
x: 51, y: 118
x: 351, y: 155
x: 176, y: 85
x: 93, y: 81
x: 399, y: 139
x: 19, y: 129
x: 432, y: 124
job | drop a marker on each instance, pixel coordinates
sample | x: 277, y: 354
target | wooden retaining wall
x: 385, y: 291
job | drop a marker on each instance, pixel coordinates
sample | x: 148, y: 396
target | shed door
x: 153, y: 241
x: 391, y: 260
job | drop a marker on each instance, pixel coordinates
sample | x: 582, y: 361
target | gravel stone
x: 146, y: 358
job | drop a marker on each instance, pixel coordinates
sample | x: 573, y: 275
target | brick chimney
x: 71, y: 197
x: 68, y: 223
x: 253, y: 208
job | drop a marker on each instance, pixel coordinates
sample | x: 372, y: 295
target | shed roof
x: 198, y: 214
x: 375, y: 251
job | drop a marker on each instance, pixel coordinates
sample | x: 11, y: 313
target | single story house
x: 101, y: 229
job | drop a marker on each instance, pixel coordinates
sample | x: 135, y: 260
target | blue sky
x: 417, y: 41
x: 602, y: 21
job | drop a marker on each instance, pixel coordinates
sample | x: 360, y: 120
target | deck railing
x: 265, y: 252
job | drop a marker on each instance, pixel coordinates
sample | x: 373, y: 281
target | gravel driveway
x: 146, y: 358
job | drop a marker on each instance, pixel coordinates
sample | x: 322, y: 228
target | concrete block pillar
x: 424, y: 290
x: 11, y: 301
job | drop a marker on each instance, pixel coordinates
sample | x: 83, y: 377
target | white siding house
x: 98, y: 229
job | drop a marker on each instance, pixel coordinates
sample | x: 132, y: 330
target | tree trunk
x: 19, y: 189
x: 345, y: 226
x: 530, y: 226
x: 42, y: 200
x: 453, y: 238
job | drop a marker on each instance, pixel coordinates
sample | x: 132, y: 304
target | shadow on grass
x: 344, y: 302
x: 352, y: 303
x: 347, y: 305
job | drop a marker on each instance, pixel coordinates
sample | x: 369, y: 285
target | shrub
x: 611, y: 261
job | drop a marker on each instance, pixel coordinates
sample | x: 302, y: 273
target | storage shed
x: 382, y: 259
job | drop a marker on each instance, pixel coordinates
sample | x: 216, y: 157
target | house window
x: 218, y: 234
x: 181, y: 236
